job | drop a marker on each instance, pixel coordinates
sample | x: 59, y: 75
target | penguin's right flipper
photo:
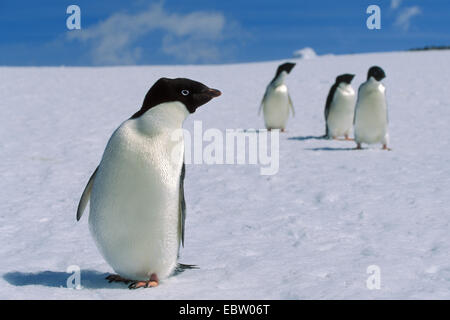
x: 329, y: 101
x: 182, y: 204
x: 85, y: 196
x: 262, y: 103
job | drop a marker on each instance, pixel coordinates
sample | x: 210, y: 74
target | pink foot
x: 348, y: 138
x: 152, y: 282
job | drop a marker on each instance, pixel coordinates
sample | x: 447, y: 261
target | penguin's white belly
x: 134, y: 204
x: 340, y: 117
x: 371, y: 119
x: 276, y: 108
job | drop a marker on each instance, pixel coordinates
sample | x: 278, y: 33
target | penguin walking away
x: 276, y: 101
x: 371, y: 119
x: 137, y: 207
x: 340, y: 108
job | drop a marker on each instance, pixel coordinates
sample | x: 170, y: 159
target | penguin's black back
x: 347, y: 78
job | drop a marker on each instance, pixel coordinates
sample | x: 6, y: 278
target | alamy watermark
x: 234, y: 146
x: 374, y: 20
x: 73, y: 22
x: 74, y: 280
x: 373, y: 282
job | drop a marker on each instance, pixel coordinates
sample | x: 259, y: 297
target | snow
x: 305, y: 53
x: 308, y: 232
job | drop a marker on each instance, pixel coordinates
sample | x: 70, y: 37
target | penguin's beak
x: 213, y: 93
x: 204, y: 96
x: 291, y: 66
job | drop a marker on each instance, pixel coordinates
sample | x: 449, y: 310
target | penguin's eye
x: 184, y: 92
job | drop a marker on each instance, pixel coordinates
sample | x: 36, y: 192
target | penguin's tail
x: 182, y: 267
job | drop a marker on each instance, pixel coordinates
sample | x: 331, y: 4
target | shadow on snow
x: 90, y: 279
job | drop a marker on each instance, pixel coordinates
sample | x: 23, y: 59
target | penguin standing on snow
x: 276, y: 101
x: 137, y: 207
x: 340, y: 108
x: 371, y: 119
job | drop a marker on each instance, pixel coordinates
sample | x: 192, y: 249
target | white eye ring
x: 184, y: 92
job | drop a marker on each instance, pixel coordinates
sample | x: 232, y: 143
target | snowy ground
x: 309, y: 231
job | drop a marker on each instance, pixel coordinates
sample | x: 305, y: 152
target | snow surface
x: 309, y: 231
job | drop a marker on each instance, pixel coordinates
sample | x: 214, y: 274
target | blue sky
x: 203, y: 31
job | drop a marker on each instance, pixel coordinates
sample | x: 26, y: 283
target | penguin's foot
x: 142, y: 284
x: 283, y: 130
x: 153, y: 282
x: 117, y: 278
x: 358, y: 146
x: 385, y: 147
x: 346, y: 138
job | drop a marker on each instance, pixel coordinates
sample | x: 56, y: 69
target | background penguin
x: 137, y: 208
x: 371, y: 120
x: 340, y: 108
x: 276, y: 101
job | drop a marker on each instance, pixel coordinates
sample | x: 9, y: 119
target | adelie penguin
x: 371, y: 119
x: 276, y: 102
x: 340, y: 108
x: 137, y: 206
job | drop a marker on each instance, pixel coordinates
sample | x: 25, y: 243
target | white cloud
x: 404, y: 18
x: 189, y: 37
x: 395, y: 4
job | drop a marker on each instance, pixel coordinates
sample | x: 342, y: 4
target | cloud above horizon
x: 403, y: 19
x: 191, y: 37
x: 395, y: 4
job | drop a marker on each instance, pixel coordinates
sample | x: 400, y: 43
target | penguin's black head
x: 346, y: 78
x: 288, y: 66
x: 191, y: 93
x: 376, y: 72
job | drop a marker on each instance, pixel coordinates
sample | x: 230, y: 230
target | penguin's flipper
x: 182, y: 205
x: 387, y: 113
x: 326, y: 112
x: 262, y: 103
x: 85, y: 196
x: 330, y: 100
x: 356, y: 106
x: 291, y: 105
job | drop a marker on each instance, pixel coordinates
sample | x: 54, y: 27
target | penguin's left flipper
x: 85, y: 196
x: 291, y: 105
x: 182, y: 205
